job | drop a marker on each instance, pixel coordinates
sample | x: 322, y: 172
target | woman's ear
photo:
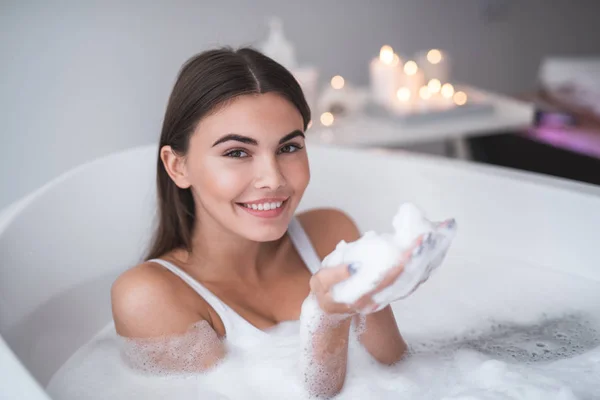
x: 175, y: 167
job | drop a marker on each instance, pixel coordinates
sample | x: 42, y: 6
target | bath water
x: 480, y: 328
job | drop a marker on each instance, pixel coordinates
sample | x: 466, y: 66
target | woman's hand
x: 323, y: 281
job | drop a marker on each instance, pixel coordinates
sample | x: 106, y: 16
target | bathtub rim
x: 10, y: 212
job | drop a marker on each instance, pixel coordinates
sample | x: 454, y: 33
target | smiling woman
x: 261, y: 163
x: 231, y: 263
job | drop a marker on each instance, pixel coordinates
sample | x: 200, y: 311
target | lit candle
x: 435, y: 64
x: 404, y: 94
x: 460, y: 98
x: 338, y: 82
x: 447, y: 90
x: 413, y: 78
x: 386, y: 76
x: 434, y: 86
x: 447, y: 95
x: 424, y: 93
x: 438, y: 100
x: 327, y: 118
x: 423, y: 100
x: 404, y: 100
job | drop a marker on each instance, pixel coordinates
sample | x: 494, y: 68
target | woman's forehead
x: 267, y: 116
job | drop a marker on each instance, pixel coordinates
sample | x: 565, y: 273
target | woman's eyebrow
x: 249, y: 140
x: 237, y: 138
x: 291, y: 135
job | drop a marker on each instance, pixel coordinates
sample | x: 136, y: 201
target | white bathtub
x: 61, y: 247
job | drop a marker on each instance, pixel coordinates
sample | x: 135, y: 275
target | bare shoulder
x: 146, y: 303
x: 326, y: 227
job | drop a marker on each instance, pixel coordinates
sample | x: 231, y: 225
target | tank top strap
x: 238, y: 329
x: 221, y: 308
x: 304, y: 246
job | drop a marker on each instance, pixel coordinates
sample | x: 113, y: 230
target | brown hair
x: 206, y: 82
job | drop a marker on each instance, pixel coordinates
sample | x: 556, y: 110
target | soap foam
x: 474, y: 332
x: 551, y: 339
x: 374, y: 255
x: 187, y: 353
x: 477, y: 331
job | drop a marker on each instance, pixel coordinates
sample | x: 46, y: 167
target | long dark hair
x: 205, y: 82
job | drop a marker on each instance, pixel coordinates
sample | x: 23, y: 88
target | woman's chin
x: 267, y: 234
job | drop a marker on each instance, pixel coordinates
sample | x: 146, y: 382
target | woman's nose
x: 268, y: 174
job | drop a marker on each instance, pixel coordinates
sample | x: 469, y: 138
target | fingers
x: 365, y: 305
x: 366, y: 301
x: 417, y: 246
x: 393, y: 274
x: 449, y: 223
x: 336, y: 308
x: 326, y: 278
x: 330, y: 276
x: 362, y: 302
x: 321, y: 284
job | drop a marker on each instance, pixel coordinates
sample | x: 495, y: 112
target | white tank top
x: 237, y: 329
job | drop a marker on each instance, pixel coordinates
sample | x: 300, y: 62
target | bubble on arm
x: 323, y: 366
x: 197, y: 350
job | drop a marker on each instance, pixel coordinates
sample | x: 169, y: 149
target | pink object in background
x: 581, y: 141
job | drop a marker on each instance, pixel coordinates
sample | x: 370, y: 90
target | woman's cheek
x: 298, y: 172
x: 229, y: 181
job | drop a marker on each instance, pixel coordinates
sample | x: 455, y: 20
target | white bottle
x: 280, y: 49
x: 277, y: 46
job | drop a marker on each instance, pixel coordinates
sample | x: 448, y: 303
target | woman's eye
x: 290, y: 148
x: 236, y: 154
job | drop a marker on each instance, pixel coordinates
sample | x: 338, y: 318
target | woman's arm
x: 327, y: 343
x: 324, y: 334
x: 381, y: 336
x: 325, y: 327
x: 159, y: 332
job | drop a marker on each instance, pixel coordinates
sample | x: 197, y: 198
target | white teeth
x: 264, y: 206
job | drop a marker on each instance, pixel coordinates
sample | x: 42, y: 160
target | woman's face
x: 247, y: 166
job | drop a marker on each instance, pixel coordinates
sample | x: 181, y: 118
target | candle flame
x: 327, y: 118
x: 424, y: 93
x: 434, y: 85
x: 460, y: 98
x: 434, y: 56
x: 447, y: 90
x: 411, y: 68
x: 338, y: 82
x: 386, y: 54
x: 403, y: 94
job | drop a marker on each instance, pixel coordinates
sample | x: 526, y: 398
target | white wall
x: 81, y: 79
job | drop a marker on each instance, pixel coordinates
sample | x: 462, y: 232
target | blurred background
x: 82, y: 79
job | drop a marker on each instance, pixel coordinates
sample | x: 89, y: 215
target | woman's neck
x: 218, y: 254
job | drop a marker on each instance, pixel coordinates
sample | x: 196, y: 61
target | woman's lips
x: 271, y: 213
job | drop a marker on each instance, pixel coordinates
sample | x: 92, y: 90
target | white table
x: 368, y: 131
